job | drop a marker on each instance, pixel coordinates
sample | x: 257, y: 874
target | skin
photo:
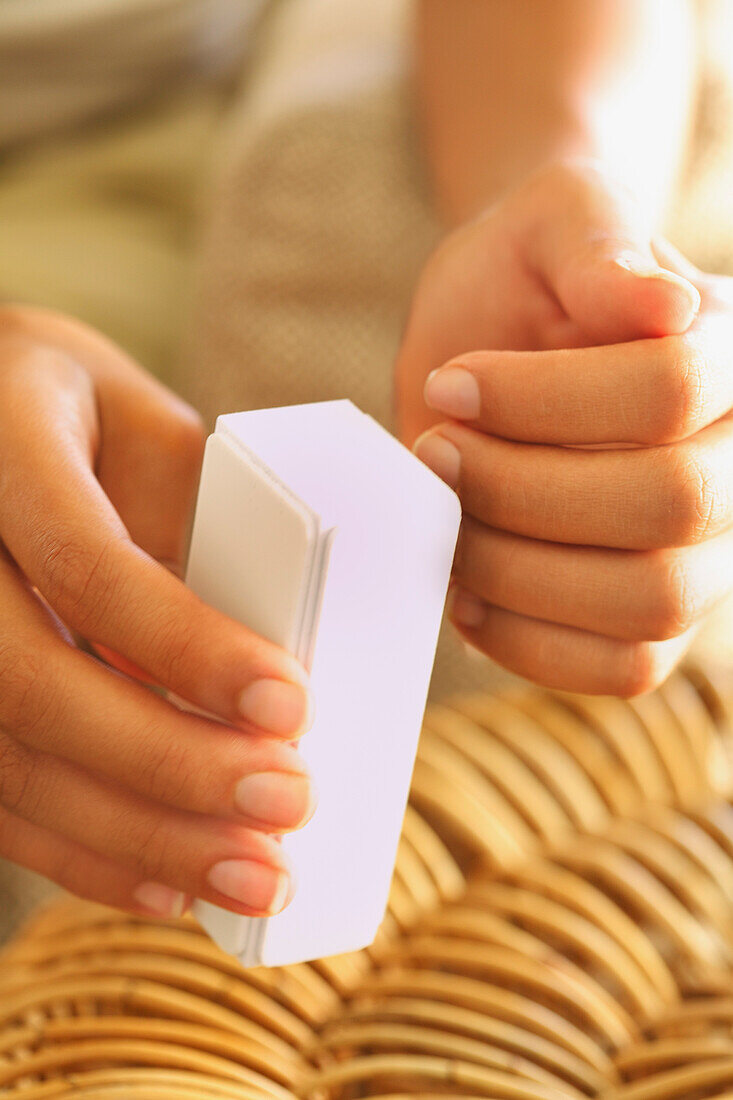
x: 595, y: 465
x: 592, y: 570
x: 505, y: 86
x: 105, y: 786
x: 594, y: 455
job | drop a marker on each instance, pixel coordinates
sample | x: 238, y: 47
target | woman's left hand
x: 596, y: 481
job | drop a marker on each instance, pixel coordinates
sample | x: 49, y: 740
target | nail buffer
x: 317, y: 529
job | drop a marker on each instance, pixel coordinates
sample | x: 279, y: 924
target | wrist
x: 461, y: 191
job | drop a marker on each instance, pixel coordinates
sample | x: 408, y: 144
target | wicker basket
x: 560, y: 925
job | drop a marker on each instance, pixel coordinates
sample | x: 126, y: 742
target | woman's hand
x: 105, y: 786
x: 590, y: 438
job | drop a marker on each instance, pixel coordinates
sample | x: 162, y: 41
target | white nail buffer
x: 320, y: 531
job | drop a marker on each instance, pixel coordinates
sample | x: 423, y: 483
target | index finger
x: 647, y: 392
x: 67, y: 538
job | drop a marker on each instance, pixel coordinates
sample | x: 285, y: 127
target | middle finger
x: 637, y: 499
x: 57, y: 700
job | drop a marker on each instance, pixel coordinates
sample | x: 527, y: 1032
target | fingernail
x: 440, y: 455
x: 256, y: 885
x: 282, y: 800
x: 466, y: 609
x: 647, y: 269
x: 277, y: 706
x: 638, y: 265
x: 159, y: 899
x: 453, y: 391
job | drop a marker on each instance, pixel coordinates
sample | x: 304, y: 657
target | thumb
x: 591, y: 246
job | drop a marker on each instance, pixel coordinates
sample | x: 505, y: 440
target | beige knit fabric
x: 319, y: 220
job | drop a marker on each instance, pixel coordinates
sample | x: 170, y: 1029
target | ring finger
x: 82, y: 872
x: 219, y: 860
x: 636, y: 595
x: 564, y: 658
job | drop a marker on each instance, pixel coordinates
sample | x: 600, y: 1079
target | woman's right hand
x: 106, y: 787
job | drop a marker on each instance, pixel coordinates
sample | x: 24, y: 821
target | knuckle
x: 21, y: 315
x: 672, y: 603
x: 639, y: 671
x: 163, y: 767
x: 15, y: 777
x: 29, y: 364
x: 175, y: 642
x: 151, y: 846
x: 572, y: 176
x: 10, y: 315
x: 697, y: 504
x: 27, y: 706
x: 565, y: 172
x: 16, y: 320
x: 80, y: 583
x: 680, y: 396
x: 184, y: 436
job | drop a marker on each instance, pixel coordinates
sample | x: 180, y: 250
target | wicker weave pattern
x: 560, y: 925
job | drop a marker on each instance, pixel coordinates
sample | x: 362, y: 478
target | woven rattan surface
x: 560, y: 925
